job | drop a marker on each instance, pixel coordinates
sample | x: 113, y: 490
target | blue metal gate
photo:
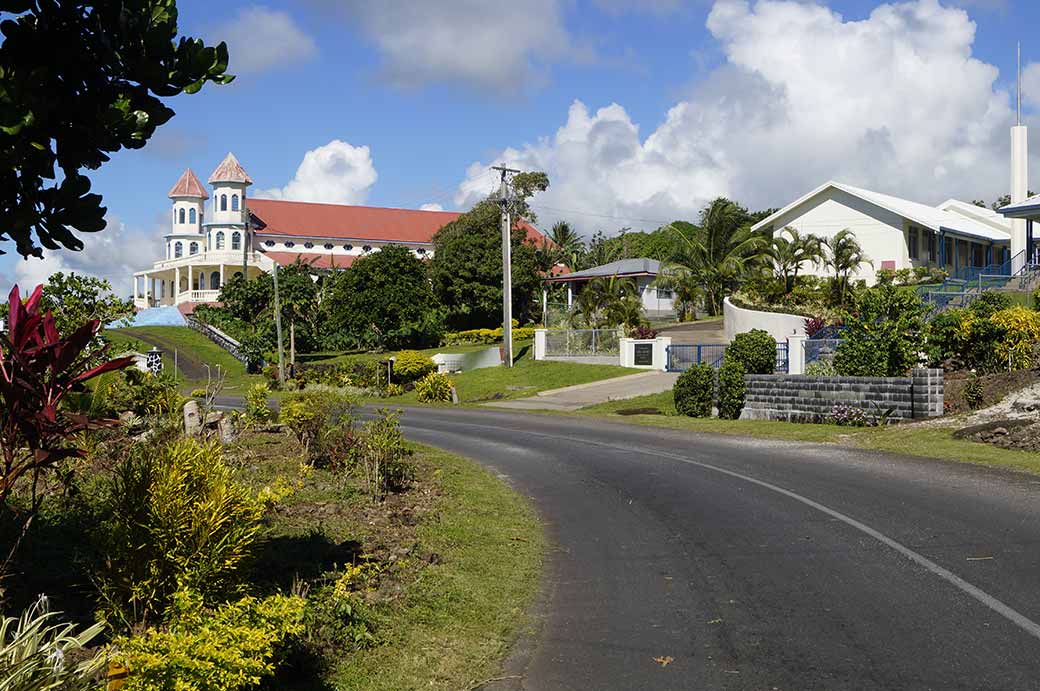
x: 683, y: 356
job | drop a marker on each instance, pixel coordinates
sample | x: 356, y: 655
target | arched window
x: 309, y: 245
x: 214, y: 281
x: 178, y: 250
x: 290, y: 243
x: 421, y: 251
x: 234, y: 202
x: 236, y: 241
x: 193, y: 248
x: 366, y: 248
x: 180, y: 216
x: 220, y: 239
x: 191, y: 215
x: 223, y: 202
x: 269, y: 243
x: 348, y: 247
x: 328, y: 245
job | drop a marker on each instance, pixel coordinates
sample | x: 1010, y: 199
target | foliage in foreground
x: 435, y: 386
x: 175, y: 519
x: 35, y: 648
x: 694, y: 390
x: 230, y: 647
x: 731, y: 389
x: 884, y: 335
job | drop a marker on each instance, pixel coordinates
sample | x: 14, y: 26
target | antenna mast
x: 1018, y: 86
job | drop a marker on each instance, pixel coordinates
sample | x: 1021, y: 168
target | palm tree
x: 605, y: 302
x: 789, y: 250
x: 568, y: 245
x: 715, y: 256
x: 845, y: 258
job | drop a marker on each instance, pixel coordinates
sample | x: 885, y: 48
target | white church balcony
x: 215, y: 257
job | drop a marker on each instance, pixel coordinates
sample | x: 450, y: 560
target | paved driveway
x: 582, y: 395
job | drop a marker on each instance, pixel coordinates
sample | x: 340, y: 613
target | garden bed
x: 995, y: 387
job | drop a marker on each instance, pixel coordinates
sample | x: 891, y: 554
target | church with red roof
x: 221, y: 233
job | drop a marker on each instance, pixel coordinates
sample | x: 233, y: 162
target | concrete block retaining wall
x: 810, y: 399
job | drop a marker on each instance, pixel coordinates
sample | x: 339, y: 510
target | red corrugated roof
x: 189, y: 186
x: 318, y: 261
x: 308, y: 219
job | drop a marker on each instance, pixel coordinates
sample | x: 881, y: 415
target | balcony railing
x: 228, y: 257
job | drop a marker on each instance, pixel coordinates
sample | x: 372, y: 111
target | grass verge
x: 909, y: 440
x: 455, y: 623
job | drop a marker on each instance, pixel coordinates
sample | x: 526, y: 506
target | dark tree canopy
x: 385, y: 300
x: 466, y: 270
x: 80, y: 80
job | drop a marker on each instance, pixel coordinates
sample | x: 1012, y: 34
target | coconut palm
x: 716, y: 256
x: 568, y: 245
x: 789, y: 250
x: 845, y: 258
x: 605, y: 302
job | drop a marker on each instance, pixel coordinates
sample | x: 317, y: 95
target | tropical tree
x: 568, y: 247
x: 717, y: 255
x: 789, y: 250
x: 844, y: 257
x: 606, y: 302
x: 79, y: 81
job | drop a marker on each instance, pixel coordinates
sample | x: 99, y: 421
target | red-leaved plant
x: 38, y: 368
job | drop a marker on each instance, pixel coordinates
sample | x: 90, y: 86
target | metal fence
x: 820, y: 349
x: 557, y: 315
x: 582, y: 343
x: 682, y: 357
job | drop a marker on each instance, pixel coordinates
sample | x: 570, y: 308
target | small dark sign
x: 644, y: 355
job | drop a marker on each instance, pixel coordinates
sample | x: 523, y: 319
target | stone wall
x: 810, y: 399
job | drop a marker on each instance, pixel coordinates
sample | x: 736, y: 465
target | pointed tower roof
x: 188, y: 185
x: 230, y: 170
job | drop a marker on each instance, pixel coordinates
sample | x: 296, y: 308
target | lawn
x: 911, y: 439
x: 186, y: 353
x: 526, y: 378
x: 520, y: 349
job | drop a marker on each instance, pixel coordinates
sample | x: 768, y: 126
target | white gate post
x: 540, y: 336
x: 796, y: 354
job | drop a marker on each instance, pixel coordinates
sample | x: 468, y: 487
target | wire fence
x: 683, y: 356
x: 582, y: 343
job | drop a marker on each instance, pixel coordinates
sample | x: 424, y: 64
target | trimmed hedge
x: 755, y: 350
x: 731, y: 389
x: 694, y: 390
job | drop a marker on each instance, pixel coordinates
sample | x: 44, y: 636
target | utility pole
x: 507, y: 265
x: 278, y: 328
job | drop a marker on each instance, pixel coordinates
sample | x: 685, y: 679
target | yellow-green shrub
x: 257, y: 412
x: 177, y: 518
x: 231, y: 647
x: 1021, y: 333
x: 488, y: 336
x: 434, y: 387
x: 310, y: 415
x: 410, y: 365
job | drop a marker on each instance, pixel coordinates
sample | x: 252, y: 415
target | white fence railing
x: 582, y: 343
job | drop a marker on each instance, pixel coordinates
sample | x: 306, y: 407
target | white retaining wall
x: 737, y: 320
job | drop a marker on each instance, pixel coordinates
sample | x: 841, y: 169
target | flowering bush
x: 847, y: 416
x: 434, y: 387
x: 643, y: 333
x: 1021, y: 329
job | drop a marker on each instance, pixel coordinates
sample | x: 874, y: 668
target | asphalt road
x: 761, y: 565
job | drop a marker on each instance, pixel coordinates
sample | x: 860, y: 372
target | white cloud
x: 336, y: 173
x: 431, y: 207
x: 261, y: 39
x: 499, y: 47
x: 1031, y: 84
x: 803, y: 96
x: 113, y: 254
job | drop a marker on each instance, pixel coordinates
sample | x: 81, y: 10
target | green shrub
x: 755, y: 350
x: 884, y: 336
x: 142, y: 393
x: 973, y: 391
x: 989, y: 303
x: 380, y: 455
x: 434, y: 387
x: 198, y: 393
x: 1021, y: 334
x: 821, y: 368
x: 176, y: 519
x: 694, y: 390
x: 33, y: 649
x: 410, y: 365
x: 731, y: 389
x: 309, y: 414
x: 257, y: 411
x: 942, y: 342
x: 487, y: 336
x: 231, y: 647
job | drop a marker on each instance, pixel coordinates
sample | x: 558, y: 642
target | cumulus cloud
x: 802, y: 96
x: 1031, y: 84
x: 431, y: 207
x: 336, y: 173
x: 113, y: 254
x: 261, y: 39
x: 492, y: 46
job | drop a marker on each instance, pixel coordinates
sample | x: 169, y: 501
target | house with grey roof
x: 657, y: 302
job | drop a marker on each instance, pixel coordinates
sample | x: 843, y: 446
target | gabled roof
x: 621, y: 268
x: 1026, y: 207
x: 188, y: 185
x: 277, y: 217
x: 921, y: 214
x: 230, y: 170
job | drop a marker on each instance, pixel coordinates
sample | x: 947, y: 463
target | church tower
x: 189, y: 198
x: 227, y: 226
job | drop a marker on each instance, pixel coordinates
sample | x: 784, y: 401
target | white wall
x: 780, y: 326
x: 880, y: 233
x: 648, y: 295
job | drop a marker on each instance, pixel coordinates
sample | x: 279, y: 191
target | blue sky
x: 639, y: 111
